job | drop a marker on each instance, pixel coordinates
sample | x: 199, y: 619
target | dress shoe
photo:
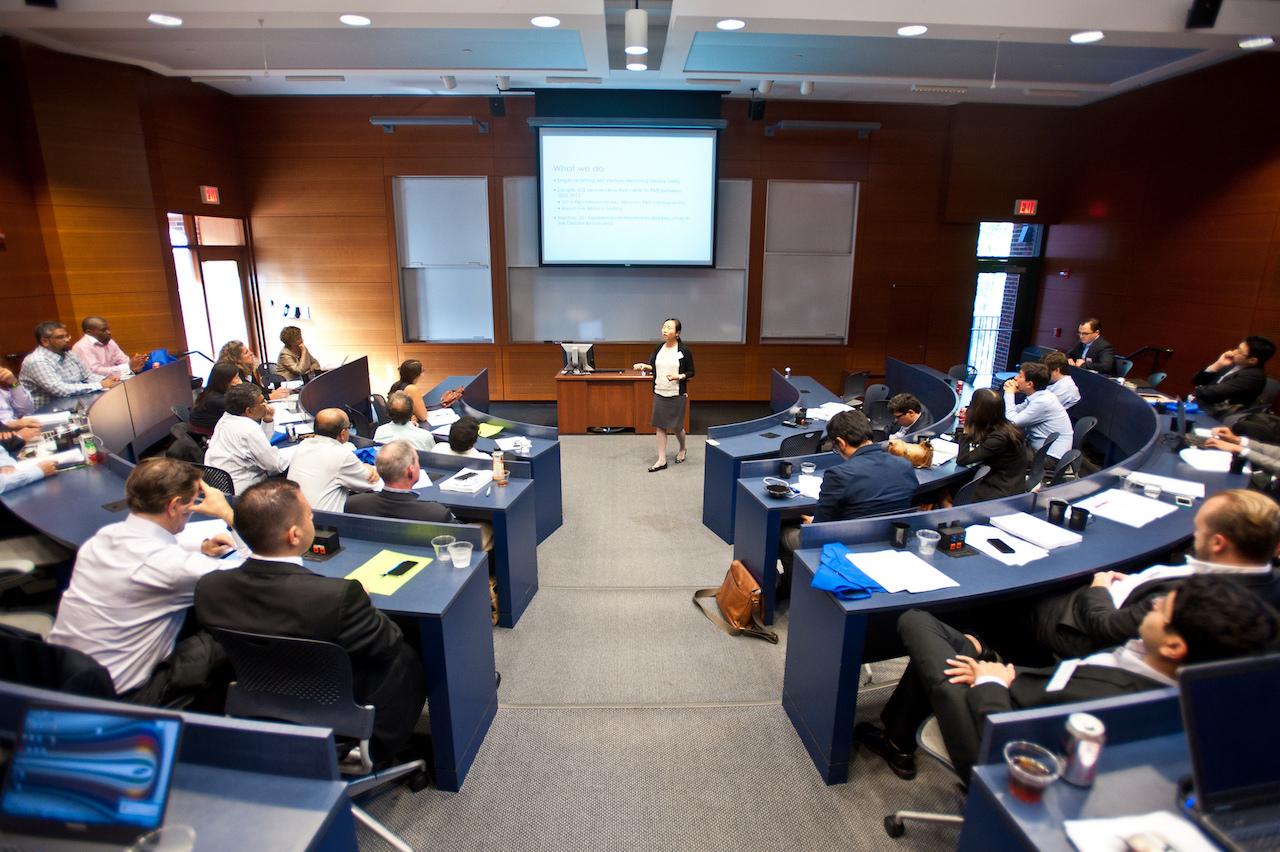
x: 658, y: 467
x: 876, y: 741
x: 680, y: 459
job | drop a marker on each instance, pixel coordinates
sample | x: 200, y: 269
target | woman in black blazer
x: 672, y: 366
x: 989, y: 438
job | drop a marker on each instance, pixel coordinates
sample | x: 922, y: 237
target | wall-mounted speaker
x: 497, y: 107
x: 1203, y: 14
x: 755, y: 110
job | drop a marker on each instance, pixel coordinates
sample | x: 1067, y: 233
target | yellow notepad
x: 488, y: 430
x: 373, y: 574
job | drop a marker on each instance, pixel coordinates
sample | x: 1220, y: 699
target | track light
x: 450, y: 82
x: 636, y: 27
x: 806, y: 88
x: 766, y: 86
x: 504, y: 83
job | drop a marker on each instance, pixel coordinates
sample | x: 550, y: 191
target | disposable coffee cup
x: 1079, y: 517
x: 1057, y: 511
x: 784, y: 469
x: 900, y: 531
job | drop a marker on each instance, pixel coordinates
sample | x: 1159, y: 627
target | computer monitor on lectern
x: 578, y: 358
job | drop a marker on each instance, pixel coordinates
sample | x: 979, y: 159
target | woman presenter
x: 672, y: 366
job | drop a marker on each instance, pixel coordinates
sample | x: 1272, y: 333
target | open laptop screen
x: 99, y: 775
x: 1229, y: 710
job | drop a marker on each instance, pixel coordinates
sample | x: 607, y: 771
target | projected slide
x: 627, y: 196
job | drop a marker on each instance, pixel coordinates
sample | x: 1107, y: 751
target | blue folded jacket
x: 836, y: 574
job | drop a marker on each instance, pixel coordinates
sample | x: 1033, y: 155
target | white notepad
x: 1036, y: 531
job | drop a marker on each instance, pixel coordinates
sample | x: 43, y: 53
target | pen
x: 488, y: 491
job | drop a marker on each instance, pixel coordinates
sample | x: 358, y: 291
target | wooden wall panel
x: 95, y: 168
x: 439, y: 361
x: 351, y: 249
x: 311, y: 127
x: 110, y: 250
x: 317, y: 186
x: 185, y: 168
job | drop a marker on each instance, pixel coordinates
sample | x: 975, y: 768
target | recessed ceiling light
x: 637, y: 66
x: 545, y: 21
x: 1087, y: 37
x: 636, y: 50
x: 730, y: 24
x: 355, y: 20
x: 164, y: 20
x: 1257, y: 42
x: 912, y: 30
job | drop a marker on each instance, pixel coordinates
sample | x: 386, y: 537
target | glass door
x: 1008, y: 256
x: 212, y: 284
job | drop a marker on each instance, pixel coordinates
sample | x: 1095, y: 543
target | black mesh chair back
x: 882, y: 420
x: 800, y: 445
x: 182, y: 412
x: 1123, y: 366
x: 216, y: 477
x: 855, y: 385
x: 1155, y: 379
x: 1035, y: 473
x: 876, y: 392
x: 1268, y: 395
x: 1081, y: 431
x: 378, y: 403
x: 304, y: 681
x: 962, y: 372
x: 965, y: 495
x: 1066, y: 467
x: 359, y: 422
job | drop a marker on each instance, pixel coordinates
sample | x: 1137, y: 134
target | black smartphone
x: 999, y: 545
x: 402, y: 568
x: 466, y: 476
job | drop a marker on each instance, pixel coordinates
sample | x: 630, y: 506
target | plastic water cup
x: 808, y: 468
x: 460, y: 551
x: 1032, y: 768
x: 441, y: 544
x: 1152, y: 491
x: 167, y: 838
x: 927, y: 540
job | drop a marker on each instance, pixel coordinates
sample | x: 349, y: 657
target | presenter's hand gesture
x: 641, y: 367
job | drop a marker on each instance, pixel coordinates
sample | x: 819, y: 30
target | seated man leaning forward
x: 869, y: 481
x: 133, y: 583
x: 906, y: 411
x: 954, y: 677
x: 240, y: 445
x: 272, y: 592
x: 398, y: 466
x: 403, y: 427
x: 463, y: 435
x: 1040, y: 414
x: 325, y: 468
x: 53, y: 371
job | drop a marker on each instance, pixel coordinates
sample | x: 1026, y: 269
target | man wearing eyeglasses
x: 1093, y: 352
x: 906, y: 411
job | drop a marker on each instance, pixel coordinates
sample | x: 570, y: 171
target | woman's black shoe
x: 658, y: 467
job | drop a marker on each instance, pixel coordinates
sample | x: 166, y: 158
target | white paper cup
x: 460, y: 551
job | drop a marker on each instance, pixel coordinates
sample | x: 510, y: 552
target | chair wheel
x: 418, y: 781
x: 893, y: 826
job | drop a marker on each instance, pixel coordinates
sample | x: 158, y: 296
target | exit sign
x: 210, y: 195
x: 1026, y: 207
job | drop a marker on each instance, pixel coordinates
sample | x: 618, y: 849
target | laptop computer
x: 81, y: 778
x: 1228, y: 710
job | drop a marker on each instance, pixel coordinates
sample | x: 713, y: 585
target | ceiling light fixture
x: 637, y: 65
x: 806, y: 88
x: 314, y: 78
x: 164, y: 20
x: 450, y: 81
x: 504, y: 83
x: 1087, y: 37
x: 355, y: 20
x: 912, y: 30
x: 766, y: 86
x: 730, y: 24
x: 636, y: 27
x: 1257, y: 42
x: 544, y: 21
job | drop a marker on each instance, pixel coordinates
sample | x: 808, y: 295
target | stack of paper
x: 944, y: 450
x: 1036, y: 531
x: 467, y: 480
x: 53, y: 418
x: 62, y: 459
x: 827, y: 410
x: 1111, y: 835
x: 1184, y: 487
x: 978, y: 536
x: 1126, y: 507
x: 901, y: 571
x: 1213, y: 461
x: 810, y: 485
x: 442, y: 417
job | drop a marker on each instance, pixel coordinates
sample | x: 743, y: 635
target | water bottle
x: 787, y: 373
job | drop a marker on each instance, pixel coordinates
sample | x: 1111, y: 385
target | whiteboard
x: 442, y: 221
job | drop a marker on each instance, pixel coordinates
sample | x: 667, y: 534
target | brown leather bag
x: 739, y: 600
x: 920, y: 455
x: 448, y: 398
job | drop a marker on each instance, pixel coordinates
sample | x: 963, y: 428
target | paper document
x: 62, y: 459
x: 1185, y: 487
x: 508, y: 445
x: 442, y: 417
x: 1036, y: 531
x: 810, y: 485
x: 488, y: 430
x: 1210, y: 461
x: 944, y: 450
x: 292, y: 384
x: 53, y: 418
x: 901, y: 571
x: 1121, y: 589
x: 283, y: 417
x: 1108, y: 835
x: 977, y: 537
x: 373, y: 575
x: 1126, y: 507
x: 467, y: 481
x: 827, y: 410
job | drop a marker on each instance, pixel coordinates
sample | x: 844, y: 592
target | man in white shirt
x: 326, y: 469
x: 1061, y: 384
x: 133, y: 582
x: 103, y: 355
x: 240, y: 445
x: 1040, y: 414
x: 463, y: 435
x: 52, y: 371
x: 14, y: 475
x: 402, y: 426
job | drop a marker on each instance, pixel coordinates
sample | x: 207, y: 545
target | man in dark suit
x: 397, y: 464
x: 1236, y: 378
x: 273, y: 593
x: 1092, y: 351
x: 953, y: 676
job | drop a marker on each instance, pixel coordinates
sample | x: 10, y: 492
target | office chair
x: 876, y: 392
x: 1154, y: 380
x: 929, y: 740
x: 800, y: 445
x: 1081, y: 431
x: 217, y: 478
x: 182, y: 412
x: 965, y: 495
x: 359, y: 422
x: 855, y: 385
x: 962, y: 372
x: 1268, y: 395
x: 308, y: 682
x: 378, y: 403
x: 882, y: 419
x: 1035, y: 472
x: 1066, y: 467
x: 27, y: 659
x: 1123, y: 366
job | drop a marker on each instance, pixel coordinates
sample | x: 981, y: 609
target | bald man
x: 326, y: 468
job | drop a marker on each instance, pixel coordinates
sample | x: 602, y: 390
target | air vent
x: 594, y: 81
x: 939, y: 90
x: 226, y: 79
x: 314, y: 78
x: 709, y: 81
x: 1052, y: 93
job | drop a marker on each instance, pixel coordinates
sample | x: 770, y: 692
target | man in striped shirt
x: 52, y: 370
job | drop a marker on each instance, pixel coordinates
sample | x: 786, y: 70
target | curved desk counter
x: 730, y: 445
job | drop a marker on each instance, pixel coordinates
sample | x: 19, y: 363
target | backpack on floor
x: 739, y: 600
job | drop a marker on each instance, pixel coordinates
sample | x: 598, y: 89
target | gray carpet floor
x: 629, y: 721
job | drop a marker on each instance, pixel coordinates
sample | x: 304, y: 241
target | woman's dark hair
x: 676, y: 321
x: 986, y: 417
x: 409, y: 372
x: 219, y: 380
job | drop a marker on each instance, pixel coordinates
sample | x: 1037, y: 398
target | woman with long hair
x: 989, y: 438
x: 210, y: 405
x: 410, y: 372
x: 246, y: 361
x: 672, y: 366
